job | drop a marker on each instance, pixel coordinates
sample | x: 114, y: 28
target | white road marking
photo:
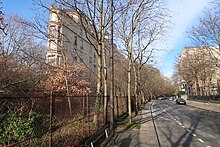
x: 200, y: 140
x: 177, y: 120
x: 165, y: 118
x: 208, y: 146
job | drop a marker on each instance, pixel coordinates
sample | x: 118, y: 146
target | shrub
x: 15, y: 127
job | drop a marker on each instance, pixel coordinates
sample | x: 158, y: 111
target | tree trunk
x: 197, y: 88
x: 130, y: 46
x: 139, y: 85
x: 135, y: 88
x: 66, y: 79
x: 99, y: 68
x: 129, y: 89
x: 104, y: 78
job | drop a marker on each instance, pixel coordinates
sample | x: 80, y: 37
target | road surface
x: 187, y: 126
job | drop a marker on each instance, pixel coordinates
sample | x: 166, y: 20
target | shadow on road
x: 125, y: 141
x: 174, y: 132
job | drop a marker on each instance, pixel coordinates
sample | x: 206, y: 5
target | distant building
x: 67, y: 39
x: 200, y: 75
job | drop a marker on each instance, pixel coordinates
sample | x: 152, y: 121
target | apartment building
x: 200, y: 75
x: 67, y: 40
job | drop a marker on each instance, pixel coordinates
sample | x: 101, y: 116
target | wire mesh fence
x: 22, y: 118
x: 53, y: 119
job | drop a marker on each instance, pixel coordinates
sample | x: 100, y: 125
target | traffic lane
x: 170, y: 133
x: 206, y: 124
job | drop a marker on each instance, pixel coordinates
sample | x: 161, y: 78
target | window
x: 52, y: 45
x: 53, y: 16
x: 74, y: 55
x: 81, y: 57
x: 59, y: 42
x: 94, y: 55
x: 81, y: 44
x: 94, y: 59
x: 51, y: 59
x: 75, y: 40
x: 58, y: 60
x: 81, y: 32
x: 90, y: 59
x: 75, y: 58
x: 52, y: 31
x: 58, y: 31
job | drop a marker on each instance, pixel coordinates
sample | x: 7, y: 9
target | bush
x: 15, y: 127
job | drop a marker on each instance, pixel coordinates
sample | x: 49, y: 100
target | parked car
x: 180, y: 101
x: 162, y: 98
x: 171, y: 98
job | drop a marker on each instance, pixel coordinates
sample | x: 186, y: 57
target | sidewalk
x: 145, y: 136
x: 207, y: 106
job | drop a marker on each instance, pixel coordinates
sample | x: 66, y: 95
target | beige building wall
x: 212, y: 82
x: 67, y: 39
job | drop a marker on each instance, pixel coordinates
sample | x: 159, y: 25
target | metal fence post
x: 87, y: 111
x: 51, y: 118
x: 83, y: 112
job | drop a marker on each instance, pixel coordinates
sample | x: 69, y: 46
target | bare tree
x: 207, y: 32
x: 154, y: 84
x: 194, y: 66
x: 21, y: 58
x: 138, y: 28
x: 147, y: 35
x: 94, y: 17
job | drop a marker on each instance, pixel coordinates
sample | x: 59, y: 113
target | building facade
x: 67, y: 41
x: 199, y: 73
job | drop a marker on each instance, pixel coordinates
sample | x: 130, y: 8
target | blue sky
x: 187, y: 13
x: 18, y: 7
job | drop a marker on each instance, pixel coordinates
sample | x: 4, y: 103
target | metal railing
x: 50, y: 121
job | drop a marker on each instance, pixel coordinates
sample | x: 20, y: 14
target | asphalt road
x: 185, y: 126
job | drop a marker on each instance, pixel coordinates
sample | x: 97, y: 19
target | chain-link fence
x: 53, y: 119
x: 23, y: 118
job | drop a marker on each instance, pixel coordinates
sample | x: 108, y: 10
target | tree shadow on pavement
x: 125, y: 142
x: 185, y: 134
x: 123, y: 138
x: 146, y: 116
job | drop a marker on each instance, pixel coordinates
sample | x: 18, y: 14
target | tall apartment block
x: 67, y: 40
